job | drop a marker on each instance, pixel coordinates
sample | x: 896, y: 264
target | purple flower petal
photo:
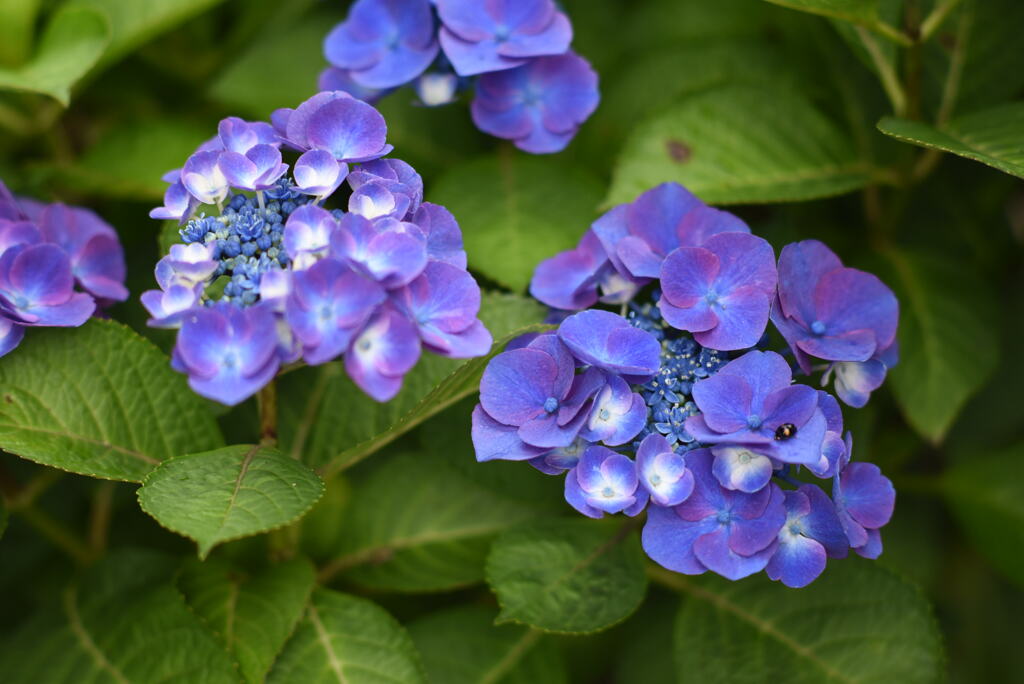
x: 608, y: 341
x: 11, y: 335
x: 741, y: 469
x: 382, y: 354
x: 494, y: 441
x: 349, y: 129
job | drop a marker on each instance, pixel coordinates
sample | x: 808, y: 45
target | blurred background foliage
x: 891, y: 129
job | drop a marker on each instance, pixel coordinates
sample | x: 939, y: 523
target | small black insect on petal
x: 785, y: 431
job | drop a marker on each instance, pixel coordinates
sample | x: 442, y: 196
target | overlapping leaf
x: 98, y: 400
x: 229, y: 493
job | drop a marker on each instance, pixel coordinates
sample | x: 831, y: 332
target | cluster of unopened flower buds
x: 677, y: 405
x: 529, y: 86
x: 274, y: 277
x: 58, y: 265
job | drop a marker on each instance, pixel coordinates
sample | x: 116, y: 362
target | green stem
x: 934, y: 20
x: 890, y: 82
x: 57, y: 534
x: 892, y: 33
x: 99, y: 520
x: 267, y: 401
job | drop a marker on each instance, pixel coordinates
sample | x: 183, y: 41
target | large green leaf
x: 98, y: 400
x: 572, y: 576
x: 133, y: 23
x: 17, y: 20
x: 74, y: 39
x: 330, y: 424
x: 740, y: 144
x: 251, y: 614
x: 128, y: 161
x: 994, y: 136
x: 516, y: 210
x: 948, y: 341
x: 462, y: 645
x: 347, y: 640
x: 987, y: 496
x: 860, y: 11
x: 856, y: 624
x: 416, y: 524
x: 229, y: 493
x: 123, y: 622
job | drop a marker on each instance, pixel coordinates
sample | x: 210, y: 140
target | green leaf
x: 289, y: 55
x: 251, y: 614
x: 740, y: 144
x: 516, y: 210
x: 416, y: 524
x: 123, y: 622
x: 72, y: 42
x: 857, y: 623
x: 229, y: 493
x: 347, y: 640
x: 134, y: 23
x: 128, y: 161
x: 994, y: 136
x: 17, y: 21
x: 98, y: 400
x: 572, y: 576
x: 323, y: 412
x: 948, y: 340
x: 4, y: 515
x: 858, y: 11
x: 462, y: 645
x: 987, y: 497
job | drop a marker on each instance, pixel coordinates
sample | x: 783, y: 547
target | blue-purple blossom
x: 11, y: 335
x: 540, y: 105
x: 37, y: 288
x: 282, y: 275
x: 604, y: 340
x: 811, y: 534
x: 728, y: 532
x: 663, y: 472
x: 384, y: 43
x: 604, y: 481
x: 864, y: 500
x: 492, y: 35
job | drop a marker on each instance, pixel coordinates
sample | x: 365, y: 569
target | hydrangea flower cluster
x: 58, y: 265
x: 273, y: 277
x: 676, y: 404
x: 530, y: 88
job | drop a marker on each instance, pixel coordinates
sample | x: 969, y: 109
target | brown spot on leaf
x: 8, y: 398
x: 678, y: 151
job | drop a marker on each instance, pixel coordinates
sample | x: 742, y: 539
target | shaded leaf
x: 948, y: 341
x: 740, y: 144
x: 123, y: 622
x: 347, y: 640
x: 98, y: 400
x: 74, y: 39
x: 330, y: 423
x: 516, y: 210
x: 251, y: 614
x: 994, y: 136
x: 856, y: 623
x: 416, y: 524
x: 573, y: 576
x: 987, y: 496
x: 17, y: 20
x: 462, y: 645
x: 859, y: 11
x: 229, y: 493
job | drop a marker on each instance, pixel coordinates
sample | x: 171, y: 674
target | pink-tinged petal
x: 714, y: 552
x: 655, y: 215
x: 795, y: 404
x: 856, y: 345
x: 848, y: 300
x: 752, y: 535
x: 765, y: 372
x: 703, y: 221
x: 687, y: 275
x: 801, y: 266
x: 638, y: 258
x: 746, y: 261
x: 379, y: 356
x: 742, y: 318
x: 41, y: 274
x: 695, y: 318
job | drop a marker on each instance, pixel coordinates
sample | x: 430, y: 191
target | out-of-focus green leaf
x: 98, y: 400
x: 740, y: 144
x: 947, y: 334
x: 123, y: 622
x: 129, y: 160
x: 17, y: 20
x: 462, y: 645
x: 987, y: 496
x: 134, y: 22
x: 251, y: 614
x: 347, y: 640
x: 328, y: 422
x: 860, y: 11
x: 73, y: 41
x: 279, y: 69
x: 416, y: 524
x: 572, y: 576
x: 856, y: 623
x: 3, y: 517
x: 234, y: 492
x: 516, y: 210
x: 994, y: 136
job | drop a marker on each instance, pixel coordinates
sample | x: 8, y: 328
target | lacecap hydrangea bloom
x: 530, y: 88
x: 59, y: 265
x: 671, y: 400
x: 333, y: 255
